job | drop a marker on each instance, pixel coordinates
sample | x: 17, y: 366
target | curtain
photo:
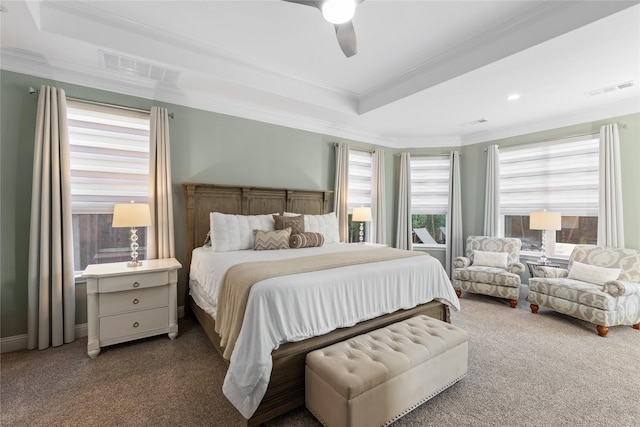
x: 492, y: 193
x: 160, y: 237
x: 403, y: 234
x: 610, y: 221
x: 454, y: 214
x: 341, y: 191
x: 379, y: 229
x: 51, y: 287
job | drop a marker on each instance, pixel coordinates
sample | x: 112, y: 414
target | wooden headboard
x: 201, y: 199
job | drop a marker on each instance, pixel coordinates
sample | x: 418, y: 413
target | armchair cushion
x: 592, y: 273
x: 490, y: 259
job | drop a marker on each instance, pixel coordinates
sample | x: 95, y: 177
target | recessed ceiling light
x: 513, y: 97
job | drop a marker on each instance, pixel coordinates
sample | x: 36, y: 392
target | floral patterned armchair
x: 492, y: 267
x: 601, y: 285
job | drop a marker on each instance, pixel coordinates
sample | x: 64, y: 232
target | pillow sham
x: 235, y: 232
x: 326, y: 224
x: 592, y: 273
x: 295, y: 222
x: 490, y: 259
x: 271, y: 239
x: 306, y: 240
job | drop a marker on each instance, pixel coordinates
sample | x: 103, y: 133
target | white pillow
x: 490, y: 259
x: 592, y: 273
x: 235, y: 232
x: 326, y: 224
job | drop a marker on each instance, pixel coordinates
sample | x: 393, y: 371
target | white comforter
x: 300, y: 306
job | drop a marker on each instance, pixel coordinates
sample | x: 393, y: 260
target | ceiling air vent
x: 473, y: 123
x: 609, y: 88
x: 133, y: 67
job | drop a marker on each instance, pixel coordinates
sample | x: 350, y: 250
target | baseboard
x: 19, y: 342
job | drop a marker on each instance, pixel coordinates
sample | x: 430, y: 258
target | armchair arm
x: 618, y: 288
x: 461, y: 262
x: 550, y: 272
x: 516, y: 268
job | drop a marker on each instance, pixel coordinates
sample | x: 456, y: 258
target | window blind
x: 429, y: 185
x: 558, y: 176
x: 109, y: 156
x: 360, y: 172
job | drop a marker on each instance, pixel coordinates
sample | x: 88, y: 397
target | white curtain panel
x: 492, y: 193
x: 610, y: 220
x: 378, y: 199
x: 341, y: 190
x: 455, y: 245
x: 160, y: 237
x: 51, y: 287
x: 403, y: 232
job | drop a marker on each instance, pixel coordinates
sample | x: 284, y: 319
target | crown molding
x: 621, y: 108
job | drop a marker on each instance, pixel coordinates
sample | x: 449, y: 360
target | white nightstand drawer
x: 140, y: 299
x: 133, y: 323
x: 132, y: 281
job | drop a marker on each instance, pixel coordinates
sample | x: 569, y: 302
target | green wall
x: 474, y: 161
x: 205, y: 147
x: 221, y: 149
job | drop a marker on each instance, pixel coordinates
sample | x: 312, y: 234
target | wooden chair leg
x: 458, y: 292
x: 513, y: 303
x: 534, y: 308
x: 602, y: 330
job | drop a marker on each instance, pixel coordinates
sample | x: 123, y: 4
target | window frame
x: 362, y: 162
x: 438, y: 163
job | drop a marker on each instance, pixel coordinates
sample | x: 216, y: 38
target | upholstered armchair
x: 601, y: 285
x: 492, y: 267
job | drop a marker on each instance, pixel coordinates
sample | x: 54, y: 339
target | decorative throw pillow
x: 592, y: 273
x: 295, y: 222
x: 490, y: 259
x: 271, y: 239
x: 306, y: 240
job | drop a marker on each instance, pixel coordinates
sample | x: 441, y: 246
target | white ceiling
x: 423, y: 67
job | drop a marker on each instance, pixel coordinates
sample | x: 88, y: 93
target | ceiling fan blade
x: 346, y: 35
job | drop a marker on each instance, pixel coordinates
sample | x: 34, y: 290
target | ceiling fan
x: 339, y: 13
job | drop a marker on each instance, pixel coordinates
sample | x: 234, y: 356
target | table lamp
x: 361, y: 215
x: 132, y: 215
x: 545, y: 221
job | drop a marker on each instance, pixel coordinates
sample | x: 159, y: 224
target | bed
x: 285, y: 384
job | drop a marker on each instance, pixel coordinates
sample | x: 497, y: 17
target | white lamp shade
x: 545, y: 220
x: 131, y: 215
x: 361, y: 214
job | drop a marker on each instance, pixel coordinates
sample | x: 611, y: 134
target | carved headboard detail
x: 201, y: 199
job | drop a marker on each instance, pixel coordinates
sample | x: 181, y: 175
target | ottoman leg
x: 513, y: 303
x: 602, y: 330
x: 458, y: 293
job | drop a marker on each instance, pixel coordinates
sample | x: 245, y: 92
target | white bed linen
x: 300, y: 306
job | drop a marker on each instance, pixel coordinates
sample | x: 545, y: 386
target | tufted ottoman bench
x: 375, y: 378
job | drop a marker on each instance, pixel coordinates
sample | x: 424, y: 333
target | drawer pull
x: 136, y: 284
x: 136, y: 324
x: 135, y: 301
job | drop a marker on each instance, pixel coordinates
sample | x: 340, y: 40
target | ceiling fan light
x: 338, y: 11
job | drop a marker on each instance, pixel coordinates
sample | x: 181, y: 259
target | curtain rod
x: 364, y: 150
x: 624, y: 126
x: 102, y: 104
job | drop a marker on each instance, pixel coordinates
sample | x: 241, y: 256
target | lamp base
x: 361, y: 234
x: 134, y: 263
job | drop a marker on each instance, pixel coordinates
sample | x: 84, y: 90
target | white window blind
x: 557, y: 176
x: 109, y: 150
x: 429, y: 185
x: 360, y: 172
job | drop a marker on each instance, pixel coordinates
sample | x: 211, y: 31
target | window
x: 429, y: 199
x: 556, y: 176
x: 109, y: 150
x: 360, y: 173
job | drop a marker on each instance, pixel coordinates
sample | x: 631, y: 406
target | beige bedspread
x: 237, y: 282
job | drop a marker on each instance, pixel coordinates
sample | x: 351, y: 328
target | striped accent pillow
x: 271, y: 239
x: 306, y: 240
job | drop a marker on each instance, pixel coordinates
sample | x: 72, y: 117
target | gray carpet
x: 524, y: 369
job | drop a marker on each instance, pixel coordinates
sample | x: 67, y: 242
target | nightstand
x: 128, y: 303
x: 533, y: 264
